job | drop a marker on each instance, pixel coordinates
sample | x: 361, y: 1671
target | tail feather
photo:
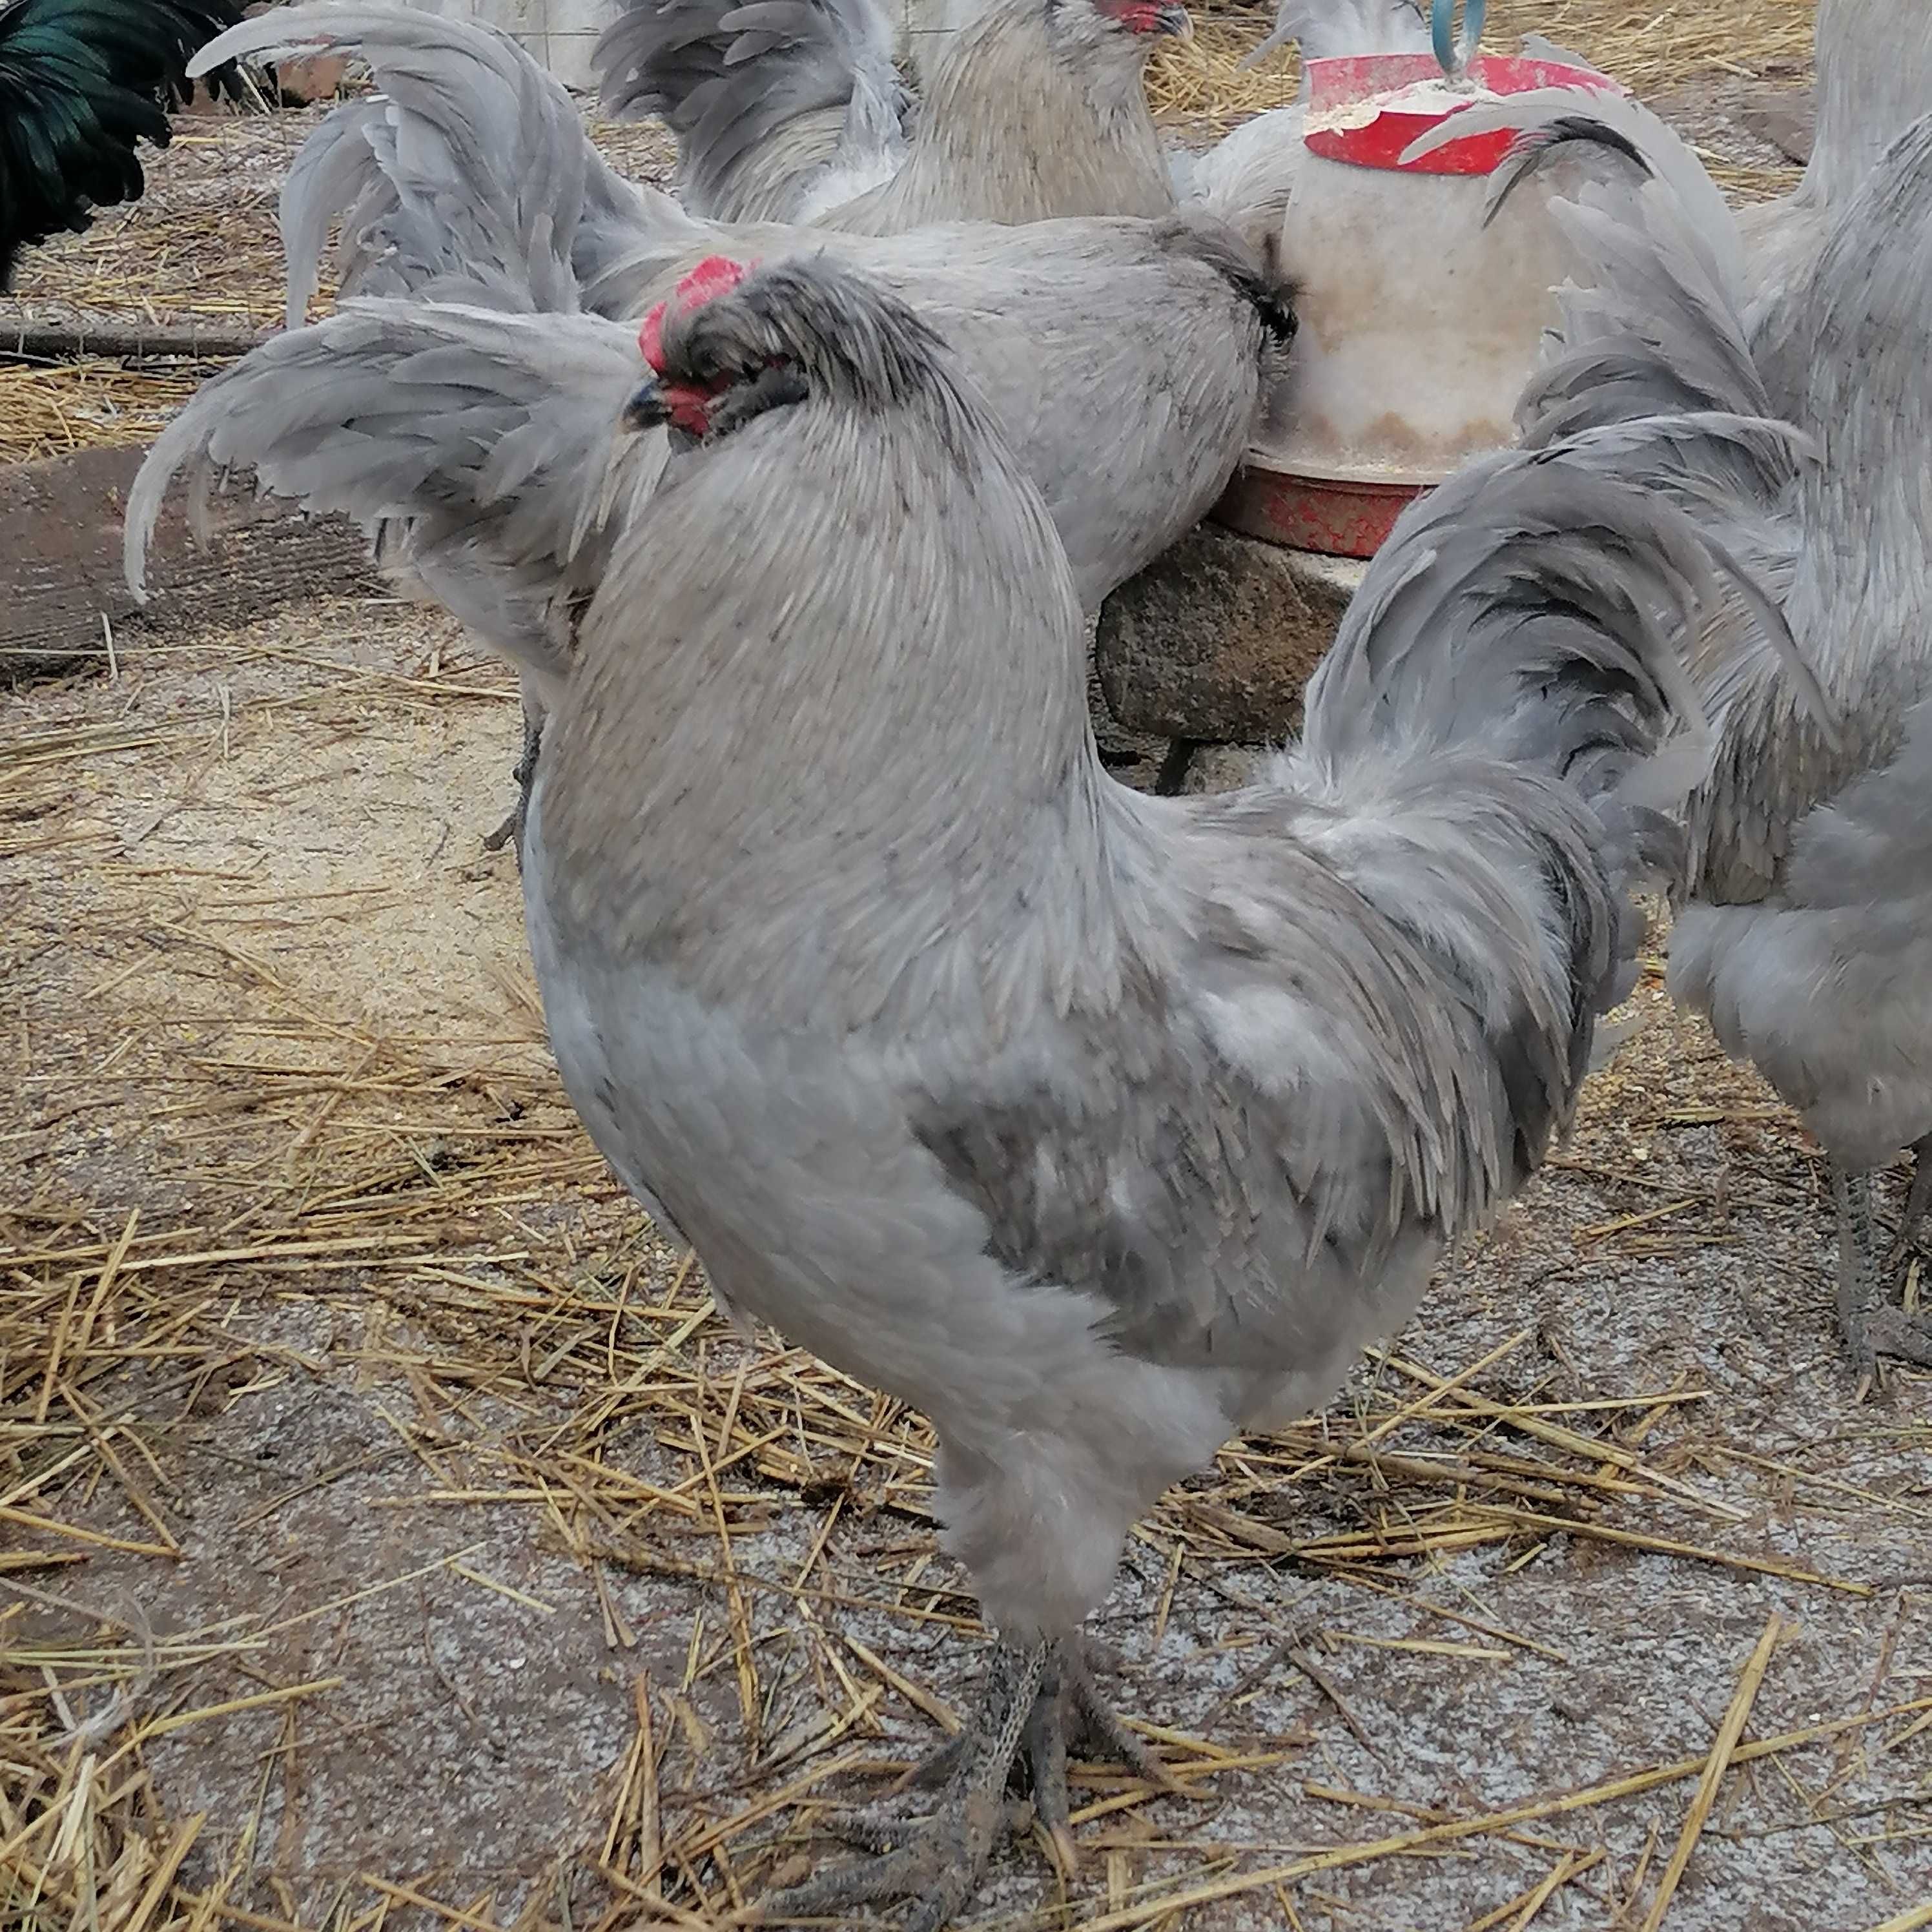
x: 470, y: 165
x: 765, y: 97
x: 1530, y: 607
x: 484, y: 445
x: 1494, y: 740
x: 1651, y: 369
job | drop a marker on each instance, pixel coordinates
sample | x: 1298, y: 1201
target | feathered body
x: 1098, y: 1125
x: 790, y: 110
x: 1872, y: 79
x: 82, y: 82
x: 1804, y: 927
x: 1806, y: 933
x: 1127, y: 359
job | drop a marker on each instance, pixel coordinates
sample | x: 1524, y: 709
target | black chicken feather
x: 81, y: 83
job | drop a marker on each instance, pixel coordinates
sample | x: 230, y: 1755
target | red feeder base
x: 1336, y: 516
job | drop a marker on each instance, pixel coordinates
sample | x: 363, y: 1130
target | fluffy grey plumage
x: 782, y: 108
x: 1098, y: 1126
x: 1127, y: 359
x: 468, y: 168
x: 1874, y: 69
x: 1806, y: 902
x: 483, y: 442
x: 791, y: 110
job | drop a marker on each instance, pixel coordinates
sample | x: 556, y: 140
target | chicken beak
x: 647, y: 408
x: 1175, y: 20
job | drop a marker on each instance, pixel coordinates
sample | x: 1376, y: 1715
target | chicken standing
x: 82, y: 82
x: 1804, y: 931
x: 791, y: 110
x: 1098, y: 1126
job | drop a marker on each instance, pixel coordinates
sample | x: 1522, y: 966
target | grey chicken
x: 1804, y: 931
x: 1098, y: 1126
x: 1129, y: 360
x: 478, y: 432
x: 1873, y: 65
x: 791, y: 110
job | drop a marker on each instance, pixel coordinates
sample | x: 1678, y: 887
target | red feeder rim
x: 1350, y: 80
x: 1331, y: 516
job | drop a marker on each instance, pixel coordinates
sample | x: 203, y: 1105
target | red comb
x: 716, y: 275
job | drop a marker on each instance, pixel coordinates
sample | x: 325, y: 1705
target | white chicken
x: 1098, y: 1126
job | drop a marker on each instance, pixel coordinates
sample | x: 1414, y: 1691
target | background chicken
x: 1804, y: 913
x: 1874, y: 61
x: 470, y: 166
x: 82, y: 82
x: 1095, y: 1126
x: 791, y: 110
x: 468, y: 179
x: 492, y: 458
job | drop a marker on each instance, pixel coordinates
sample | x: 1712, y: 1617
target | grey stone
x: 1222, y: 768
x: 1215, y: 639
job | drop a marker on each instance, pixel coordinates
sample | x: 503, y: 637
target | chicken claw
x: 525, y: 773
x: 1870, y: 1325
x: 1037, y: 1702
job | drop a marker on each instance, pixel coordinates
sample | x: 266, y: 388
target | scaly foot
x: 1037, y: 1702
x: 525, y: 774
x: 1871, y: 1326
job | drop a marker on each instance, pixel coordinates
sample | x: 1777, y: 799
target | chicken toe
x: 1917, y: 1200
x: 1038, y: 1704
x: 1871, y: 1327
x: 937, y: 1859
x: 1072, y: 1712
x: 1885, y: 1330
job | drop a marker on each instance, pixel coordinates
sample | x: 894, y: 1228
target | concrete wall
x: 559, y: 33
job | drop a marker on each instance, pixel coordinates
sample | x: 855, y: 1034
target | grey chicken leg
x: 525, y: 773
x: 1038, y: 1703
x: 1870, y: 1325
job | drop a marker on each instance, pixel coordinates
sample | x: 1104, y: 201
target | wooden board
x: 60, y: 561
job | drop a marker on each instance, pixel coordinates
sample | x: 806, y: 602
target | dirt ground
x: 391, y: 1534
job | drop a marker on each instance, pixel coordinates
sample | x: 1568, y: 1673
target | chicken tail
x: 782, y: 108
x: 484, y: 446
x: 1651, y: 376
x: 1502, y: 729
x: 469, y: 169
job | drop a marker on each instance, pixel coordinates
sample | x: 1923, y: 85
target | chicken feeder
x: 1419, y: 324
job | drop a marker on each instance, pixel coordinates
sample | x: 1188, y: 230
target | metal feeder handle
x: 1441, y: 19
